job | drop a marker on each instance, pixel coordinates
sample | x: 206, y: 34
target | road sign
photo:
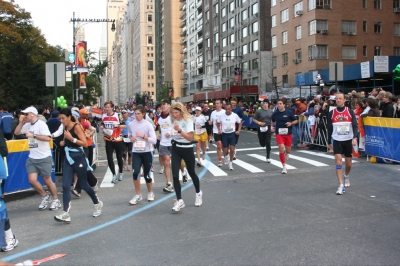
x: 60, y: 66
x: 339, y: 70
x: 71, y: 58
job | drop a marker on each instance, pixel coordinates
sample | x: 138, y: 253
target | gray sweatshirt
x: 144, y: 128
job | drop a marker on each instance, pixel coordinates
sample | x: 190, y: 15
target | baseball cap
x: 198, y: 108
x: 30, y: 109
x: 332, y: 98
x: 124, y: 111
x: 55, y: 113
x: 83, y: 111
x: 165, y: 101
x: 75, y: 113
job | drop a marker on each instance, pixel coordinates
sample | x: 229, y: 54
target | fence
x: 314, y: 133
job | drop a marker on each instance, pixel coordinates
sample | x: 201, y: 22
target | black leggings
x: 265, y: 140
x: 119, y: 150
x: 139, y: 159
x: 187, y: 154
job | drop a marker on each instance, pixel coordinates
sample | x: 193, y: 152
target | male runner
x: 209, y: 128
x: 263, y: 119
x: 342, y: 129
x: 213, y: 121
x: 237, y: 110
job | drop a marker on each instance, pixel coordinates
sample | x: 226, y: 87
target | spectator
x: 41, y: 112
x: 373, y: 108
x: 6, y: 120
x: 15, y: 122
x: 386, y: 105
x: 398, y: 107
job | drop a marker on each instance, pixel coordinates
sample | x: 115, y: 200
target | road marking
x: 309, y: 161
x: 248, y: 166
x: 322, y: 155
x: 273, y: 162
x: 215, y: 170
x: 244, y: 149
x: 108, y: 178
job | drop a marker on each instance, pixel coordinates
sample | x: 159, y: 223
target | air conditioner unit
x: 295, y: 61
x: 324, y: 31
x: 396, y: 10
x: 299, y: 12
x: 310, y: 58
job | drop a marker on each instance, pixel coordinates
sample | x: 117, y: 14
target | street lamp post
x: 73, y: 20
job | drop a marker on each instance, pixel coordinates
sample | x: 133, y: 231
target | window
x: 298, y: 32
x: 365, y: 51
x: 298, y: 7
x: 377, y: 4
x: 349, y: 52
x: 378, y: 50
x: 284, y: 15
x: 245, y: 66
x: 273, y: 3
x: 254, y: 27
x: 254, y: 46
x: 216, y: 9
x: 150, y: 28
x: 284, y: 37
x: 349, y: 27
x: 377, y: 27
x: 396, y: 51
x: 244, y: 49
x: 149, y: 39
x: 364, y: 4
x: 311, y: 5
x: 149, y: 65
x: 231, y: 6
x: 216, y: 37
x: 232, y: 54
x: 396, y: 29
x: 223, y: 12
x: 273, y: 21
x: 364, y: 26
x: 232, y: 38
x: 396, y: 3
x: 232, y: 22
x: 223, y: 74
x: 323, y: 4
x: 274, y: 62
x: 244, y: 32
x: 244, y: 14
x: 285, y: 80
x: 224, y: 57
x: 254, y: 64
x: 208, y: 43
x: 254, y: 9
x: 254, y: 81
x: 318, y: 51
x: 298, y: 55
x: 149, y: 17
x: 316, y: 26
x: 285, y: 59
x: 223, y: 27
x: 273, y: 41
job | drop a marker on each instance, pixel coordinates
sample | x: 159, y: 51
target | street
x: 251, y: 215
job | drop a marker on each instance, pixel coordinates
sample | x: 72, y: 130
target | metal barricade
x: 313, y: 134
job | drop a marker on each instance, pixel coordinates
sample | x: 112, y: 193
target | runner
x: 226, y: 124
x: 128, y: 144
x: 342, y: 129
x: 209, y: 128
x: 213, y: 121
x: 157, y: 116
x: 182, y: 149
x: 263, y: 119
x: 111, y: 126
x: 282, y: 121
x: 164, y: 136
x: 237, y: 110
x: 141, y: 133
x: 40, y: 160
x: 200, y: 135
x: 75, y: 162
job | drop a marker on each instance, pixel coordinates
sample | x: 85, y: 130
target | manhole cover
x: 247, y: 181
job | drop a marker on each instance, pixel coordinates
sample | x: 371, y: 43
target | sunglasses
x: 26, y: 114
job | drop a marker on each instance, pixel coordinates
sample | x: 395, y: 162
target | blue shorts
x: 228, y: 139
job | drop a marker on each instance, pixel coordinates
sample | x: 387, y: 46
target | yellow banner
x: 382, y: 122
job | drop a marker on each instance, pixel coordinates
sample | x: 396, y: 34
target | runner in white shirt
x: 200, y: 134
x: 213, y: 121
x: 227, y: 128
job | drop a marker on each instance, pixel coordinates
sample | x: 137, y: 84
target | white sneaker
x: 284, y: 170
x: 45, y: 202
x: 346, y: 181
x: 268, y: 160
x: 219, y: 164
x: 150, y: 196
x: 63, y: 217
x: 97, y: 209
x: 226, y: 159
x: 340, y: 190
x: 11, y: 244
x: 120, y: 176
x: 230, y: 166
x: 178, y: 205
x: 199, y: 199
x: 161, y: 170
x: 54, y: 205
x: 135, y: 199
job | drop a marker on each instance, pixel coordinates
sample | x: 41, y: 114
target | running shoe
x: 45, y: 202
x: 199, y: 163
x: 184, y: 179
x: 55, y: 204
x: 168, y: 188
x: 135, y: 199
x: 114, y: 179
x: 11, y: 244
x: 75, y: 193
x: 120, y: 177
x: 178, y: 205
x: 211, y: 141
x: 230, y: 166
x: 199, y: 199
x: 340, y: 190
x: 287, y: 156
x: 150, y: 196
x: 226, y: 159
x: 220, y: 164
x: 161, y: 170
x: 268, y: 160
x: 207, y: 148
x: 97, y: 209
x: 63, y: 217
x: 284, y: 170
x: 346, y: 180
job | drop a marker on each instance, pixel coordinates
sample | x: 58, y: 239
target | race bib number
x: 108, y: 132
x: 264, y: 129
x: 343, y: 129
x: 32, y: 143
x: 228, y: 128
x: 283, y: 131
x: 139, y: 145
x: 206, y: 117
x: 127, y: 140
x: 165, y: 126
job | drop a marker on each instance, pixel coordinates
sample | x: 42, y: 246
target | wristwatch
x: 179, y: 131
x: 34, y: 136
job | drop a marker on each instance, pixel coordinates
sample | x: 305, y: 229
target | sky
x: 53, y: 17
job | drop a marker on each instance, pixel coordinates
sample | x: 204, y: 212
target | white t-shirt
x: 199, y: 122
x: 214, y: 117
x: 38, y: 149
x: 186, y: 126
x: 228, y: 122
x: 165, y: 127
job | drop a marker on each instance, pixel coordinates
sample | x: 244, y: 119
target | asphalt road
x: 247, y: 217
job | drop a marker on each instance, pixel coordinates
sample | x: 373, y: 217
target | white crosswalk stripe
x: 322, y: 155
x: 302, y: 159
x: 248, y: 166
x: 273, y: 162
x: 214, y: 170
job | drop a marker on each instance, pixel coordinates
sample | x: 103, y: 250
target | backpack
x: 6, y: 123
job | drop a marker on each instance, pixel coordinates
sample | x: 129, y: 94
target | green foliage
x: 163, y: 93
x: 140, y: 98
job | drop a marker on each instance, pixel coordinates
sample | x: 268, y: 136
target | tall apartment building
x: 308, y: 34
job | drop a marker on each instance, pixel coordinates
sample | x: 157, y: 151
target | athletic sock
x: 282, y: 157
x: 9, y: 234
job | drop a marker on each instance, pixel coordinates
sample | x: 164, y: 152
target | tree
x: 140, y: 98
x: 163, y: 93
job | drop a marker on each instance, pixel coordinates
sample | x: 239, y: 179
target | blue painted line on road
x: 93, y: 229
